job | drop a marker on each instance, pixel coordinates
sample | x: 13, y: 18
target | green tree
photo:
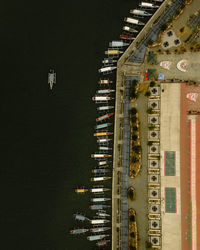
x: 134, y: 137
x: 135, y: 128
x: 134, y: 159
x: 149, y: 143
x: 133, y: 111
x: 164, y: 27
x: 152, y: 84
x: 132, y: 218
x: 149, y: 110
x: 148, y: 93
x: 130, y: 194
x: 134, y: 119
x: 132, y: 234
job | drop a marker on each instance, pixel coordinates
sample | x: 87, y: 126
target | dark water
x: 47, y: 137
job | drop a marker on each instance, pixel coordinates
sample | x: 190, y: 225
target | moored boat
x: 99, y: 207
x: 126, y: 37
x: 101, y: 98
x: 99, y: 229
x: 102, y: 243
x: 98, y: 190
x: 99, y: 221
x: 79, y: 231
x: 126, y: 28
x: 80, y: 217
x: 113, y: 52
x: 100, y: 171
x: 118, y: 44
x: 100, y: 156
x: 106, y: 69
x: 103, y: 133
x: 103, y: 117
x: 105, y: 140
x: 102, y: 163
x: 140, y: 12
x: 103, y: 148
x: 102, y: 214
x: 105, y: 91
x: 102, y: 108
x: 97, y: 237
x: 100, y: 199
x: 109, y: 61
x: 81, y: 190
x: 148, y: 5
x: 101, y: 178
x: 104, y: 81
x: 133, y: 21
x: 103, y: 125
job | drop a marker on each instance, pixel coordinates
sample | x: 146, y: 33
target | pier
x: 130, y: 66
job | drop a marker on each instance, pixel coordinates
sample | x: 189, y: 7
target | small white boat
x: 126, y: 28
x: 106, y: 69
x: 140, y: 12
x: 148, y: 5
x: 133, y: 21
x: 118, y: 44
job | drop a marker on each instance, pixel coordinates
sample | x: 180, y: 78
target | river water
x: 47, y: 136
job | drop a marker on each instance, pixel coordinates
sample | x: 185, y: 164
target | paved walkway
x: 140, y: 182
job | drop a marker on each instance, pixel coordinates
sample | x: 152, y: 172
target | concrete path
x: 140, y: 182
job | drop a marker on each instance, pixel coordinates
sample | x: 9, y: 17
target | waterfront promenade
x: 129, y: 65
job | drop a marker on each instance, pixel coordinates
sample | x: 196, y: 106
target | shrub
x: 164, y: 27
x: 132, y: 218
x: 134, y: 159
x: 152, y: 84
x: 149, y: 143
x: 149, y: 110
x: 134, y: 119
x: 148, y: 93
x: 148, y: 244
x: 132, y: 234
x: 135, y: 128
x: 133, y: 111
x: 134, y: 137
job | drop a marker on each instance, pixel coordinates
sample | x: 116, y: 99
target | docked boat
x: 97, y: 237
x: 126, y: 37
x: 102, y: 163
x: 103, y: 125
x: 148, y: 5
x: 100, y: 199
x: 97, y: 156
x: 102, y: 214
x: 99, y: 221
x: 126, y: 28
x: 81, y: 190
x: 105, y: 91
x: 106, y: 69
x: 160, y: 1
x: 101, y: 98
x: 101, y: 178
x: 113, y: 52
x: 102, y: 243
x: 99, y: 229
x: 100, y: 171
x: 51, y: 78
x: 103, y: 108
x: 104, y: 148
x: 103, y: 117
x: 105, y: 140
x: 133, y: 21
x: 109, y: 61
x: 80, y: 217
x: 79, y: 231
x: 118, y: 44
x: 103, y: 133
x: 140, y: 12
x: 104, y: 81
x: 99, y: 207
x: 99, y: 190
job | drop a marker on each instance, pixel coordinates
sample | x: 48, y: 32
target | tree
x: 148, y: 244
x: 182, y: 29
x: 132, y: 248
x: 132, y: 234
x: 148, y: 93
x: 149, y: 143
x: 150, y: 42
x: 135, y: 128
x: 134, y: 159
x: 134, y: 137
x: 134, y: 119
x: 137, y: 149
x: 132, y: 218
x: 152, y: 84
x: 164, y: 27
x: 149, y: 110
x: 133, y: 111
x: 131, y: 194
